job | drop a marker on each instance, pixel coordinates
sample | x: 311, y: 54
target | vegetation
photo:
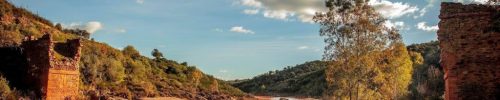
x: 79, y: 32
x: 366, y: 59
x: 157, y: 54
x: 130, y: 75
x: 108, y: 71
x: 308, y: 79
x: 301, y: 80
x: 427, y: 78
x: 4, y: 88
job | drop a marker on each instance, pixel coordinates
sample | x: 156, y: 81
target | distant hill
x: 306, y: 80
x: 105, y: 71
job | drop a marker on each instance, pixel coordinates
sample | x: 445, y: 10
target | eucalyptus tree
x: 367, y: 60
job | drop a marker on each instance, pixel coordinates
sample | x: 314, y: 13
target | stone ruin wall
x: 56, y: 64
x: 469, y: 37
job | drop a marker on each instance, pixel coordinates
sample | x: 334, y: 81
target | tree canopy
x: 367, y: 60
x: 157, y: 54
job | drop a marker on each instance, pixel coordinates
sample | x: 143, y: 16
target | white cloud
x: 90, y: 27
x: 423, y: 26
x: 139, y: 1
x: 278, y: 14
x: 473, y: 1
x: 251, y: 11
x: 302, y: 10
x: 252, y: 3
x: 223, y: 71
x: 398, y: 25
x: 303, y: 47
x: 392, y: 10
x: 121, y: 30
x: 422, y: 11
x: 218, y: 30
x: 240, y: 29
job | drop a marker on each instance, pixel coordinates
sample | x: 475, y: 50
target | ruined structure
x: 469, y: 37
x: 53, y: 66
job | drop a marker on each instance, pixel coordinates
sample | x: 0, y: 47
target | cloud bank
x: 423, y: 26
x: 251, y: 11
x: 240, y: 29
x: 392, y: 10
x: 397, y: 24
x: 304, y: 10
x: 303, y: 47
x: 90, y: 27
x: 139, y: 1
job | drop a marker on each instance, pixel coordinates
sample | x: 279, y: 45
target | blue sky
x: 230, y: 39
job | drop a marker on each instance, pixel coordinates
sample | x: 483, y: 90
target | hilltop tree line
x: 300, y: 80
x: 110, y: 71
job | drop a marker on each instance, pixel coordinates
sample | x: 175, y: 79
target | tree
x: 157, y: 54
x: 131, y: 51
x: 427, y: 82
x: 184, y: 63
x: 367, y: 60
x: 82, y: 33
x: 58, y: 26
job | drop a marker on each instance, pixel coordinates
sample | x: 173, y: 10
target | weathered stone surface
x: 62, y: 84
x: 470, y: 51
x: 54, y: 67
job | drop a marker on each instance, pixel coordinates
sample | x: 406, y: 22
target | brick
x: 469, y: 51
x: 57, y: 66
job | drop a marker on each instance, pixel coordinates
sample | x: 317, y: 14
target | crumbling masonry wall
x: 469, y: 37
x: 54, y: 67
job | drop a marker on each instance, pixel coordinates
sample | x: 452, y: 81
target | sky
x: 230, y: 39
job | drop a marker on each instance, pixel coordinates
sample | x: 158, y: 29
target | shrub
x: 137, y: 72
x: 4, y: 88
x: 115, y: 71
x: 131, y: 52
x: 9, y: 38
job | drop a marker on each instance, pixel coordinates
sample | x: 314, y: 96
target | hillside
x: 427, y: 82
x: 105, y: 71
x: 307, y: 80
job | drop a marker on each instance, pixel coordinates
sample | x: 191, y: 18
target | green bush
x: 115, y: 71
x: 131, y: 52
x: 137, y: 71
x: 4, y: 88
